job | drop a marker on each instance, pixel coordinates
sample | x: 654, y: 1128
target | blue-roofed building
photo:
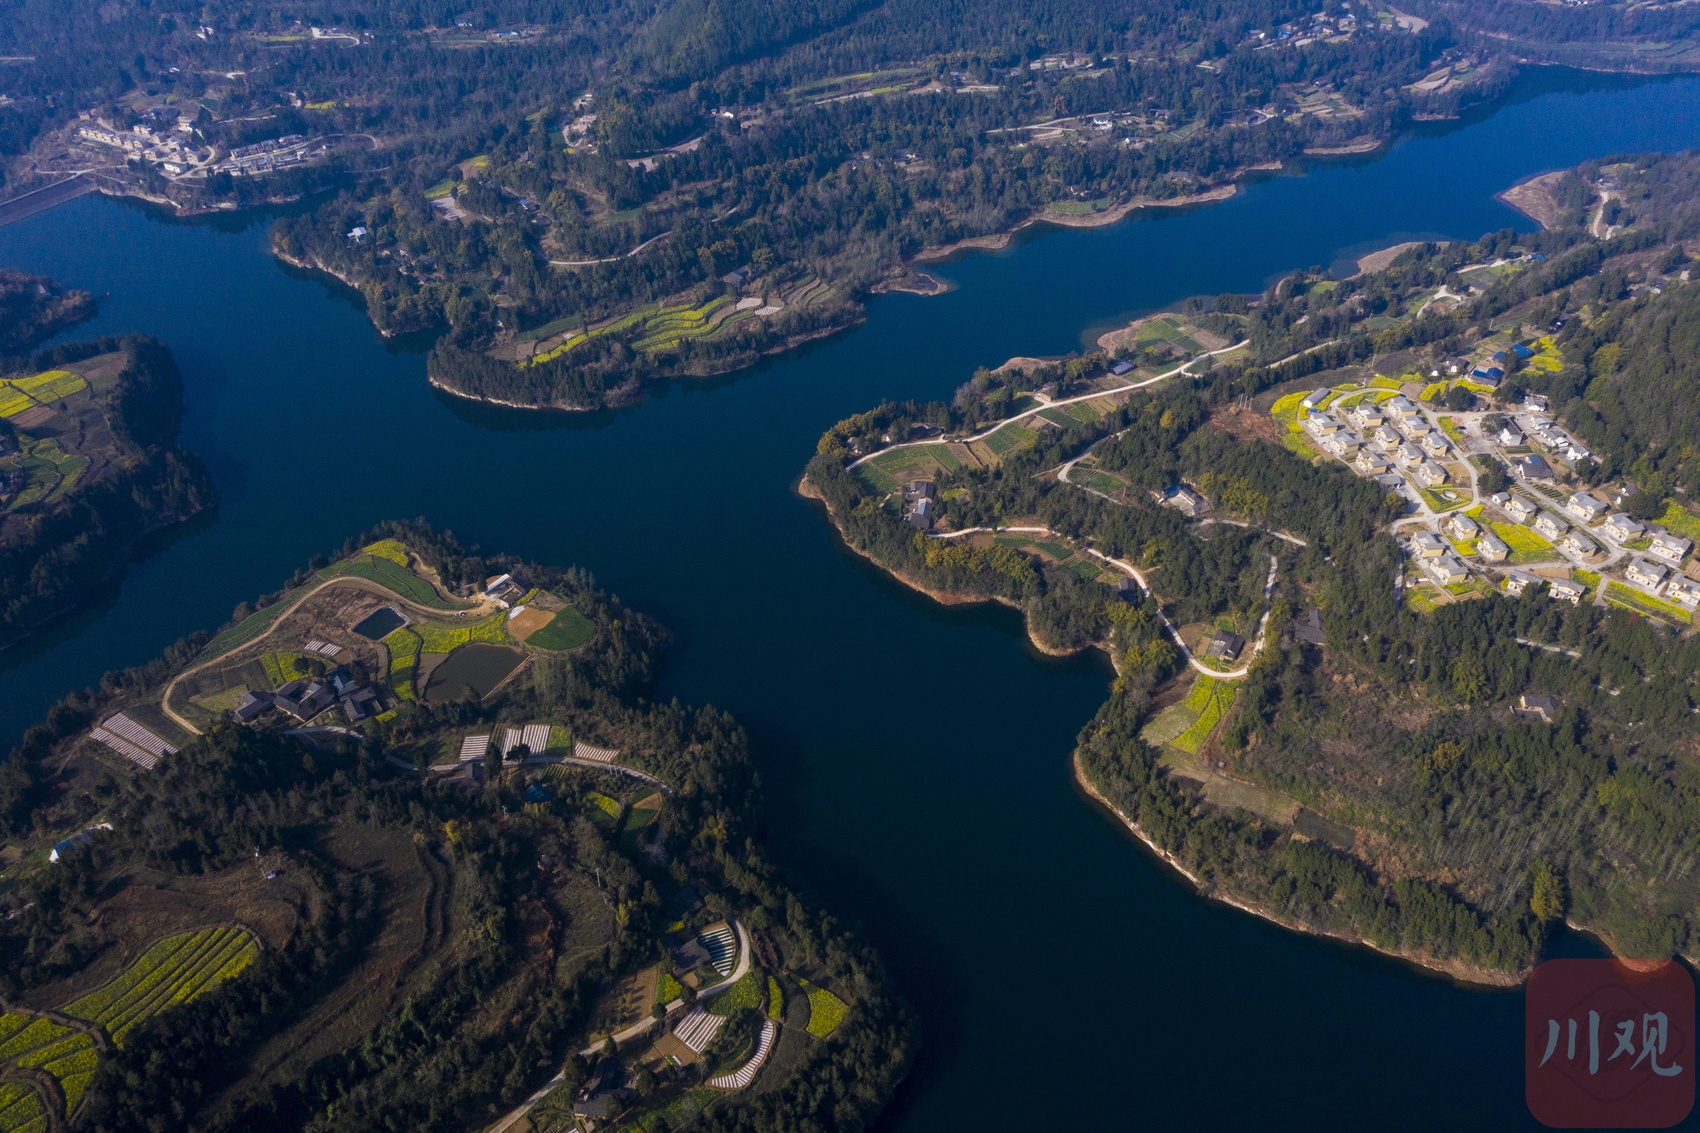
x: 1523, y: 352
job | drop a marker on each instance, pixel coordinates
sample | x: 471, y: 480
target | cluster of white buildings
x: 174, y: 155
x: 1376, y: 438
x: 275, y: 153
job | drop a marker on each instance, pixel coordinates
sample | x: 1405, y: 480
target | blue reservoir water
x: 916, y: 757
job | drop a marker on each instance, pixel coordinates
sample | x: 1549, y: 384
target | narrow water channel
x: 916, y: 757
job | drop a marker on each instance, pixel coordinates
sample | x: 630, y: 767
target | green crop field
x: 404, y: 646
x: 52, y: 385
x: 667, y: 988
x: 745, y: 994
x: 254, y: 624
x: 393, y: 577
x: 1008, y: 439
x: 1083, y: 412
x: 826, y: 1010
x: 1058, y: 551
x: 569, y: 630
x: 174, y: 971
x: 775, y: 1000
x: 446, y: 637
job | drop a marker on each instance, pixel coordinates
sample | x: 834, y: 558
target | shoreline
x: 1455, y: 970
x: 997, y: 241
x: 1458, y: 971
x: 943, y: 597
x: 791, y: 342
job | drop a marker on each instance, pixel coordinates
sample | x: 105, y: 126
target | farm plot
x: 891, y: 469
x: 173, y: 971
x: 404, y: 646
x: 446, y: 637
x: 1526, y: 546
x: 826, y: 1010
x: 569, y: 629
x: 38, y: 1043
x: 1186, y: 725
x: 19, y: 394
x: 670, y: 327
x: 49, y: 471
x: 1008, y: 439
x: 391, y: 576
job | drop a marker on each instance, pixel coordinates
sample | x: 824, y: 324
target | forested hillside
x: 585, y: 195
x: 436, y: 939
x: 1363, y: 773
x: 90, y: 466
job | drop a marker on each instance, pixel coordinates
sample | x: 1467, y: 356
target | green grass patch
x: 568, y: 630
x: 826, y: 1010
x: 775, y: 1000
x: 745, y: 994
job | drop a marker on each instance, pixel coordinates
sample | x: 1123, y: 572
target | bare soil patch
x: 528, y: 621
x: 1534, y: 198
x: 1244, y: 423
x: 1379, y: 261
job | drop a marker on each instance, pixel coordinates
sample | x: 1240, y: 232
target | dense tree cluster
x: 55, y: 551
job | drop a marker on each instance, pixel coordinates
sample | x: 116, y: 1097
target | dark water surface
x: 916, y: 757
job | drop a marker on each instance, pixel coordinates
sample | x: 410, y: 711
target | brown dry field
x: 528, y: 621
x: 1245, y: 424
x: 154, y: 905
x: 412, y: 907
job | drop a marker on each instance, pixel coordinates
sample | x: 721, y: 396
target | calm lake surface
x: 917, y: 758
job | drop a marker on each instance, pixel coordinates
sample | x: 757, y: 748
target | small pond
x: 476, y: 668
x: 380, y: 623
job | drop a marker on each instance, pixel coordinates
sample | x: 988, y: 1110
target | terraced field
x: 387, y: 573
x: 19, y: 394
x: 174, y: 971
x: 671, y: 327
x: 446, y: 637
x: 661, y: 328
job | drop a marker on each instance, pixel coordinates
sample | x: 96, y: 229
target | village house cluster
x: 165, y: 140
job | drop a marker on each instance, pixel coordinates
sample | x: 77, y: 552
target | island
x: 89, y: 467
x: 588, y: 206
x: 410, y: 844
x: 1396, y: 572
